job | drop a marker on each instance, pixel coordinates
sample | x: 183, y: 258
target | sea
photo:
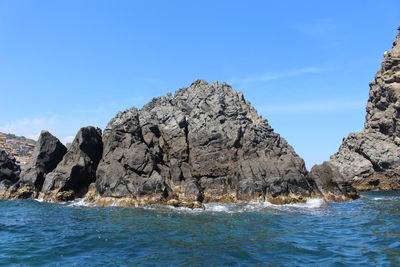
x: 364, y: 232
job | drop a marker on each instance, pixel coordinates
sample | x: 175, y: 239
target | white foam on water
x: 39, y: 199
x: 387, y: 198
x: 217, y: 207
x: 79, y: 202
x: 311, y: 203
x: 173, y: 208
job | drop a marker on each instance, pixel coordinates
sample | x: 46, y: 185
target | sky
x: 304, y: 65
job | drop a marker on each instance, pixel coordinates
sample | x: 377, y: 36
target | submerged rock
x: 77, y: 170
x: 204, y: 144
x: 370, y: 159
x: 9, y: 171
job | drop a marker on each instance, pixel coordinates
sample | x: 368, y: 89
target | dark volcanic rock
x: 206, y: 143
x: 331, y: 182
x: 9, y: 171
x: 48, y: 152
x: 371, y: 158
x: 78, y: 167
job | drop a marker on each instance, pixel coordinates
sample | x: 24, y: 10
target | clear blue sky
x: 304, y: 65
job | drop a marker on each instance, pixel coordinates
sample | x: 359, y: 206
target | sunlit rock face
x: 371, y: 158
x: 206, y: 144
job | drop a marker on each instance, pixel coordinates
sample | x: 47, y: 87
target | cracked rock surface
x: 371, y: 158
x: 206, y: 143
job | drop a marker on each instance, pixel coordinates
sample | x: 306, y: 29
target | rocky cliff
x: 370, y: 159
x: 204, y: 144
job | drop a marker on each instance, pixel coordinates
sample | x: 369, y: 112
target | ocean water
x: 365, y: 232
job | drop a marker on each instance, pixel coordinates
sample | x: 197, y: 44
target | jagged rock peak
x: 206, y: 143
x: 371, y: 158
x: 202, y: 89
x: 383, y: 108
x: 206, y: 96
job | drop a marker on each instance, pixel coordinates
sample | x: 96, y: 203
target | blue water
x: 365, y: 232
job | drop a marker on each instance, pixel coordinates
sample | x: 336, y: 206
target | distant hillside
x: 19, y: 138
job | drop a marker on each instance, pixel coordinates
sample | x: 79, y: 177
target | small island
x: 204, y: 144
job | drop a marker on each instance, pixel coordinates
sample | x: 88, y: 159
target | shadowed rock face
x: 48, y: 152
x: 331, y: 183
x: 371, y: 158
x: 9, y: 171
x: 206, y: 143
x: 78, y: 167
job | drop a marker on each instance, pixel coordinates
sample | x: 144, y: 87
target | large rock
x: 206, y: 143
x: 332, y: 183
x: 371, y: 158
x: 77, y: 170
x: 48, y: 152
x: 9, y: 171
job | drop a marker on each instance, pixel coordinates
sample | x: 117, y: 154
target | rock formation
x: 77, y: 169
x: 207, y: 144
x: 9, y: 171
x: 331, y: 183
x: 48, y: 152
x: 204, y: 144
x: 371, y: 158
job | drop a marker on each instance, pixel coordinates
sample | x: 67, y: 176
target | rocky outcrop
x: 77, y: 170
x: 331, y: 183
x: 9, y: 171
x: 204, y: 144
x: 370, y: 159
x: 48, y: 152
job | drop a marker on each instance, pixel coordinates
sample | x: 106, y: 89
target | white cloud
x: 279, y: 75
x: 314, y: 107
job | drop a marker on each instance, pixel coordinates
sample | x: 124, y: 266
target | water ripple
x: 357, y: 233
